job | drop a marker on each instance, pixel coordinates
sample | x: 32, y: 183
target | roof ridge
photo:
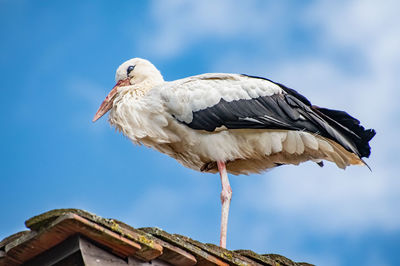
x: 52, y: 228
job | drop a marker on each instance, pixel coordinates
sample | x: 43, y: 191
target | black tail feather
x: 351, y: 127
x: 347, y: 125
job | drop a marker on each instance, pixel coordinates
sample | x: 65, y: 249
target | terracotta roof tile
x: 258, y: 258
x: 49, y: 229
x: 202, y: 257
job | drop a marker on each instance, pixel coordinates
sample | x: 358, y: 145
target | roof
x: 50, y: 229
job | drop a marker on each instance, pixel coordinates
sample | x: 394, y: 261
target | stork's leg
x: 226, y: 195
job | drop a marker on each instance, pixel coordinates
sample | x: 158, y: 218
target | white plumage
x: 248, y: 123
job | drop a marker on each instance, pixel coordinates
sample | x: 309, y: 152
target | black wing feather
x: 290, y: 111
x: 268, y: 112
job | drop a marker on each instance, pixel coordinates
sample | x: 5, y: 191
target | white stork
x: 229, y: 123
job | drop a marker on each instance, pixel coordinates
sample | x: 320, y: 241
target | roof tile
x: 53, y: 227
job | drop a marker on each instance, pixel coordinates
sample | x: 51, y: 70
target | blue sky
x: 57, y: 63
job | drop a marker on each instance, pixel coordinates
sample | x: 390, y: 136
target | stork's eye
x: 130, y: 68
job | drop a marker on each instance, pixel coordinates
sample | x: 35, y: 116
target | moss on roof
x: 151, y: 241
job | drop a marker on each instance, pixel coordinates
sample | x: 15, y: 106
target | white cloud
x: 329, y: 201
x: 179, y: 23
x: 358, y: 22
x: 373, y: 30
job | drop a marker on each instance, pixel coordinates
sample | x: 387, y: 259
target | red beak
x: 107, y: 104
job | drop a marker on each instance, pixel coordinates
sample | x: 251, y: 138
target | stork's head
x: 136, y: 72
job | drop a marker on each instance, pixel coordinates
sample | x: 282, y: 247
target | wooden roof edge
x: 51, y: 228
x: 11, y: 238
x: 144, y: 243
x: 41, y: 220
x: 229, y: 256
x: 112, y: 224
x: 232, y: 257
x: 206, y: 251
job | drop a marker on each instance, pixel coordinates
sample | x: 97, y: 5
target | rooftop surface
x: 142, y: 245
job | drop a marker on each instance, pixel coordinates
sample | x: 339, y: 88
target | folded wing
x: 211, y: 101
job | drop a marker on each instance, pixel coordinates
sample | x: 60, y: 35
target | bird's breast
x: 140, y: 118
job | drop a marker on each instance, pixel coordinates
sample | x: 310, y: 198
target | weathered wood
x: 95, y: 256
x: 111, y: 242
x: 226, y: 255
x: 8, y: 261
x: 258, y: 258
x: 66, y: 251
x: 175, y: 255
x: 27, y: 247
x: 203, y: 258
x: 281, y: 260
x: 135, y: 262
x: 12, y: 237
x: 5, y: 260
x: 148, y: 251
x: 79, y: 251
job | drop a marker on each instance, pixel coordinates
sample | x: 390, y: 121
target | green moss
x: 226, y: 255
x: 147, y: 237
x: 44, y: 219
x: 145, y: 240
x: 115, y: 227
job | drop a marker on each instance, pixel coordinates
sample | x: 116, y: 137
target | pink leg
x: 226, y: 195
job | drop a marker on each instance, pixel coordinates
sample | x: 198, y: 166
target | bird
x: 230, y: 123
